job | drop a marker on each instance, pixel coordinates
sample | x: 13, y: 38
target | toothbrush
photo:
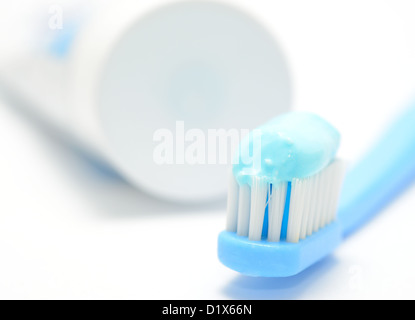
x: 288, y: 242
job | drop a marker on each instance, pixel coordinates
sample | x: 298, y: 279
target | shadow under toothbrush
x: 262, y: 288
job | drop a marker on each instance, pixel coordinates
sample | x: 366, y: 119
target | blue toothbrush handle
x: 381, y: 175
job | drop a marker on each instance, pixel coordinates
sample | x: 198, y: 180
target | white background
x: 68, y: 230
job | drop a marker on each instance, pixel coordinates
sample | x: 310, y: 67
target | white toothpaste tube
x: 154, y: 88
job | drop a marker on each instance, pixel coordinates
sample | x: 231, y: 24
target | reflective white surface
x: 67, y: 231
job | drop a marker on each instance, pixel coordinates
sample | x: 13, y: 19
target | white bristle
x: 296, y: 210
x: 244, y: 205
x: 314, y: 182
x: 308, y: 182
x: 324, y: 197
x: 319, y: 200
x: 232, y: 217
x: 259, y: 192
x: 329, y: 194
x: 313, y: 205
x: 276, y: 206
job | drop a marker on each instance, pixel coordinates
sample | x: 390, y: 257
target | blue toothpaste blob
x: 293, y: 145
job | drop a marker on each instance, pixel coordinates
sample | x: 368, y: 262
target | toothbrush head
x: 276, y: 259
x: 282, y: 205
